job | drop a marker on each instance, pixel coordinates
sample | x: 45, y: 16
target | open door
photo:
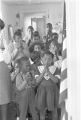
x: 39, y: 24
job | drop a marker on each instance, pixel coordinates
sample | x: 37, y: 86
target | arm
x: 39, y: 78
x: 53, y: 78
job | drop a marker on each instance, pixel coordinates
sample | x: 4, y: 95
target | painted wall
x: 74, y: 59
x: 52, y: 11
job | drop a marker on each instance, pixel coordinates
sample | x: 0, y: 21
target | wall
x: 55, y: 11
x: 74, y: 59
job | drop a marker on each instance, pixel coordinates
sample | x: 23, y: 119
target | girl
x: 5, y: 84
x: 25, y: 83
x: 47, y: 90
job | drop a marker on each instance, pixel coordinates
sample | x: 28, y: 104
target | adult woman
x: 5, y: 84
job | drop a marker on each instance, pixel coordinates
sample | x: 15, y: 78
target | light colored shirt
x: 21, y: 82
x: 5, y: 56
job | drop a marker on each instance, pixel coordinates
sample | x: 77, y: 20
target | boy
x: 24, y: 84
x: 48, y: 37
x: 36, y: 36
x: 49, y: 31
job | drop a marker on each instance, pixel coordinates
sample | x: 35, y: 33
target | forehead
x: 37, y: 46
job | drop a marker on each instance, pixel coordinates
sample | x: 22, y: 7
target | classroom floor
x: 13, y: 113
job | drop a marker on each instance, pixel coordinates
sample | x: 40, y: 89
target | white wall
x: 55, y: 11
x: 74, y: 59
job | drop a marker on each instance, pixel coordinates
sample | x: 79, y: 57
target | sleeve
x: 9, y: 53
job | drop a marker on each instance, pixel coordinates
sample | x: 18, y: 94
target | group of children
x: 35, y: 68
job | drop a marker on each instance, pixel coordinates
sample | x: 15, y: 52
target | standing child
x: 36, y: 46
x: 49, y: 31
x: 47, y: 90
x: 29, y: 38
x: 19, y: 45
x: 48, y: 35
x: 24, y: 84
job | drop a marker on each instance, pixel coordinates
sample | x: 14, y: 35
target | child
x: 49, y: 31
x: 29, y: 38
x: 36, y: 36
x: 36, y: 46
x: 45, y: 42
x: 24, y: 84
x: 55, y: 36
x: 53, y: 46
x: 48, y: 38
x: 47, y: 90
x: 22, y: 49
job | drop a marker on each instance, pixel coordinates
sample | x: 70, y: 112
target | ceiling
x: 29, y: 1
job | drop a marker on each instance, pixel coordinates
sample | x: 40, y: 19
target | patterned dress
x: 46, y: 96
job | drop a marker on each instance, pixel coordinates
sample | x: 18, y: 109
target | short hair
x: 31, y: 28
x: 18, y: 32
x: 39, y: 43
x: 36, y: 34
x: 49, y: 24
x: 2, y: 24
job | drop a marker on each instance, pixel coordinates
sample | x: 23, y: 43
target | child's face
x: 36, y: 38
x: 47, y: 59
x: 25, y: 66
x: 48, y: 29
x: 18, y: 40
x: 37, y: 48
